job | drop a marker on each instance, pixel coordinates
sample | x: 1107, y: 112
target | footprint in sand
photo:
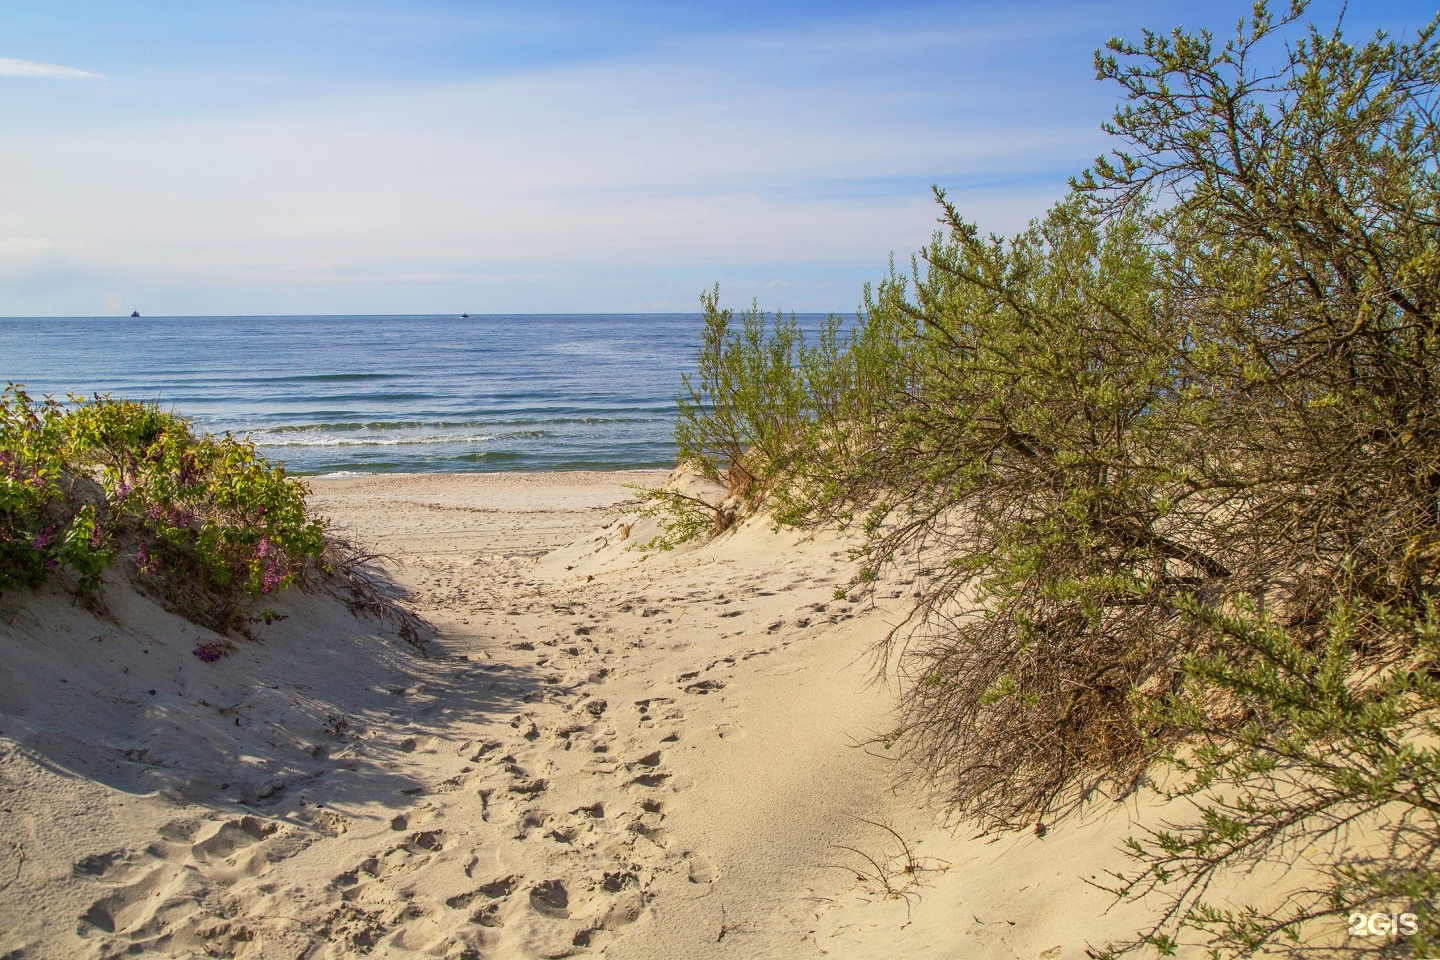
x: 157, y: 891
x: 474, y: 750
x: 550, y: 898
x: 651, y: 760
x: 644, y: 826
x: 729, y: 731
x: 353, y: 928
x: 660, y: 708
x: 491, y: 896
x: 228, y: 838
x: 105, y: 866
x: 147, y: 908
x: 656, y: 779
x: 700, y: 869
x: 431, y: 841
x: 530, y: 787
x: 529, y: 821
x: 526, y: 725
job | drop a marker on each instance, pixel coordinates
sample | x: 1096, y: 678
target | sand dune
x: 605, y: 753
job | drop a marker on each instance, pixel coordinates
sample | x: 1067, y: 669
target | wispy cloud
x: 10, y: 67
x: 786, y: 159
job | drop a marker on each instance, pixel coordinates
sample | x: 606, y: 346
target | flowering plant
x: 205, y: 521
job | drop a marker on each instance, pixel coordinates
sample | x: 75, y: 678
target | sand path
x: 708, y: 702
x: 605, y: 754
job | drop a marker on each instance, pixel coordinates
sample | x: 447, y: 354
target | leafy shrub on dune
x: 1167, y: 466
x: 204, y: 521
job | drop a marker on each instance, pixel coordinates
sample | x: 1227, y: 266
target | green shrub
x: 681, y: 517
x: 1324, y: 755
x: 741, y: 415
x: 1176, y: 444
x: 43, y: 527
x: 205, y: 521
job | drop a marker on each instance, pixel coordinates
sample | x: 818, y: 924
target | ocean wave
x: 499, y: 423
x: 490, y: 456
x: 370, y: 441
x: 362, y: 425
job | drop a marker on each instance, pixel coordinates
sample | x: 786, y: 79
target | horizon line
x: 453, y: 316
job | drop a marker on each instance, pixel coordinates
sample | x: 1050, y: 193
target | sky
x: 191, y: 157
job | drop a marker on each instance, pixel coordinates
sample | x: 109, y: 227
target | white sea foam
x: 332, y: 441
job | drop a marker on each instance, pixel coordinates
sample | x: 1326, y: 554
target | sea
x: 381, y: 394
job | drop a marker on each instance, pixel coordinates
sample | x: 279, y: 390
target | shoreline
x: 411, y: 474
x: 353, y: 474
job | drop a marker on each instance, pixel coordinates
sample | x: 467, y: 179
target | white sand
x: 606, y: 754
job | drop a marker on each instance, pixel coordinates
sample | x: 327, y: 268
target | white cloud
x: 589, y: 186
x: 10, y: 67
x: 20, y: 246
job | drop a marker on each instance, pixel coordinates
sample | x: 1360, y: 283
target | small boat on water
x: 134, y: 314
x: 464, y: 316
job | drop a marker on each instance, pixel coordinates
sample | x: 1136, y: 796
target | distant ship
x: 464, y: 316
x: 134, y: 313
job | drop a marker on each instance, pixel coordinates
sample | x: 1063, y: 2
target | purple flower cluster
x: 12, y: 466
x: 209, y: 650
x: 174, y: 516
x: 125, y: 479
x: 271, y: 579
x: 271, y: 576
x: 189, y: 470
x: 145, y: 561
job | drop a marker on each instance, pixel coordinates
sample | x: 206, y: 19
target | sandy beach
x: 604, y: 753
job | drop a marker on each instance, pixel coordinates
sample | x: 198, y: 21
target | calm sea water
x: 382, y: 393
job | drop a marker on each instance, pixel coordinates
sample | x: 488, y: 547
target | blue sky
x: 374, y: 156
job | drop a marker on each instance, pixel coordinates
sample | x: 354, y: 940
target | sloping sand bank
x: 605, y: 754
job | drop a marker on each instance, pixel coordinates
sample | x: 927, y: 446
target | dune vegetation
x: 1165, y: 468
x: 203, y: 523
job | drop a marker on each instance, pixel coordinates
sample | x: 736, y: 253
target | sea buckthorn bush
x: 1165, y: 468
x: 204, y: 522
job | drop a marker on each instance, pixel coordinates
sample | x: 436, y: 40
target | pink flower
x: 272, y: 578
x: 144, y: 561
x: 209, y: 650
